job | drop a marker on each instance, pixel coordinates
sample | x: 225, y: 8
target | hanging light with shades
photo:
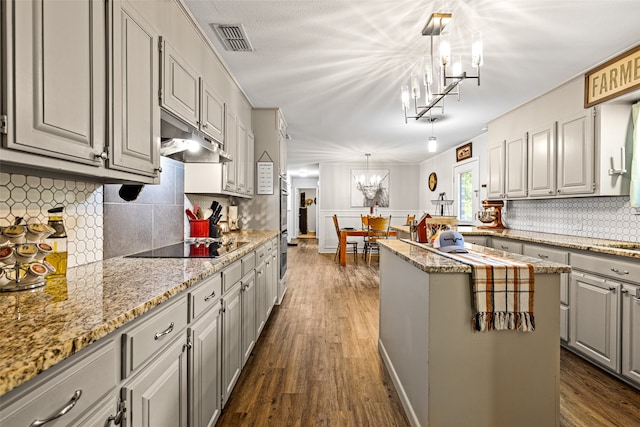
x: 433, y: 70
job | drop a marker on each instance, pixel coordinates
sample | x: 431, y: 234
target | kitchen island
x: 445, y: 373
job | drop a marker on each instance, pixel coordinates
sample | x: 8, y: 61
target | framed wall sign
x: 613, y: 78
x: 463, y: 153
x: 264, y: 177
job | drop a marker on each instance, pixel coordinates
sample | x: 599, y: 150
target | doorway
x: 307, y: 212
x: 466, y: 190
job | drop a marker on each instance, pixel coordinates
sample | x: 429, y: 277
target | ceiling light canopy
x: 433, y: 70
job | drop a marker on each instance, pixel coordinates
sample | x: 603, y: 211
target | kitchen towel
x: 502, y: 291
x: 634, y: 190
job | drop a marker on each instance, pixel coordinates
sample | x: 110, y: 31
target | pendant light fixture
x: 432, y: 144
x: 433, y: 71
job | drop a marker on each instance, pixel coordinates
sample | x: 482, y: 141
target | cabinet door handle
x: 159, y: 335
x: 62, y: 411
x: 620, y: 272
x: 101, y: 156
x: 208, y: 297
x: 543, y: 256
x: 119, y: 416
x: 612, y: 288
x: 624, y: 291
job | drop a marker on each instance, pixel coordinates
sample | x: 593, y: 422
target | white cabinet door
x: 495, y: 166
x: 229, y: 169
x: 212, y: 112
x: 270, y: 272
x: 231, y: 340
x: 135, y: 76
x: 250, y: 162
x: 516, y: 167
x: 248, y: 296
x: 158, y: 396
x: 241, y: 160
x: 594, y: 327
x: 575, y: 154
x: 180, y: 86
x: 60, y: 87
x: 631, y: 333
x: 542, y: 161
x: 206, y: 389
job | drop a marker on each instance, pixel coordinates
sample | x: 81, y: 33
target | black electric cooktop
x: 205, y: 248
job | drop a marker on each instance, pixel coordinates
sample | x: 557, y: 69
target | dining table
x: 346, y: 232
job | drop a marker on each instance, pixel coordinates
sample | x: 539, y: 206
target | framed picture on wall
x: 369, y: 187
x: 463, y: 153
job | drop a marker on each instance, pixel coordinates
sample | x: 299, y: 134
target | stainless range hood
x: 181, y: 141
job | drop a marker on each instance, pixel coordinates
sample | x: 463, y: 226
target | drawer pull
x: 62, y: 411
x: 543, y: 256
x: 159, y: 335
x: 620, y: 272
x: 208, y: 297
x: 504, y: 248
x: 612, y: 288
x: 624, y: 291
x: 119, y: 416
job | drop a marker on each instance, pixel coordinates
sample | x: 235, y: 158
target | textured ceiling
x: 335, y: 67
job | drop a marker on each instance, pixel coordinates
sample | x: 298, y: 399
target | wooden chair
x: 350, y: 243
x: 410, y: 218
x: 365, y: 226
x: 378, y: 229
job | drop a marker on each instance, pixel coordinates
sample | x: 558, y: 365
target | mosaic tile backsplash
x: 601, y: 217
x: 30, y: 197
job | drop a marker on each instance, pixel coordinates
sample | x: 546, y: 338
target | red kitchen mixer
x: 491, y: 215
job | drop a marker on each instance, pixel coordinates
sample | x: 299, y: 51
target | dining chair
x: 365, y: 226
x: 409, y: 219
x: 378, y: 229
x: 350, y: 243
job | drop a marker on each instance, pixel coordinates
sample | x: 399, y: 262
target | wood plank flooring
x: 317, y: 363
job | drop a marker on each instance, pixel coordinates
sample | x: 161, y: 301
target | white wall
x: 334, y: 197
x: 442, y: 164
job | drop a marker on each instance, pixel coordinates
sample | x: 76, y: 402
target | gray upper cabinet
x: 229, y: 169
x: 212, y: 112
x: 516, y: 167
x: 180, y: 86
x: 136, y: 113
x: 59, y: 79
x: 542, y: 161
x: 496, y: 169
x: 575, y: 154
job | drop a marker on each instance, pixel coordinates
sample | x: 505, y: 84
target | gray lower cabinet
x: 595, y: 330
x: 248, y: 296
x: 157, y: 397
x: 69, y: 390
x: 631, y: 333
x: 206, y: 361
x: 562, y: 257
x: 231, y: 340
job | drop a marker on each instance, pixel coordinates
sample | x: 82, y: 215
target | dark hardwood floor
x: 317, y: 363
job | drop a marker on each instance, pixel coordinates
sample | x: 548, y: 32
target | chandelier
x: 369, y: 183
x: 433, y: 71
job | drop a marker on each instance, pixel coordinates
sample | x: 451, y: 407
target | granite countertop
x: 611, y: 247
x: 45, y: 326
x: 431, y: 261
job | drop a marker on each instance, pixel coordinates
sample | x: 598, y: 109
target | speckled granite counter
x: 43, y: 327
x: 611, y: 247
x: 430, y: 261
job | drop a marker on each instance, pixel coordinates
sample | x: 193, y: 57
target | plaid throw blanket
x: 502, y: 292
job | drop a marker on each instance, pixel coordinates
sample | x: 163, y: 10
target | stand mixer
x: 491, y: 215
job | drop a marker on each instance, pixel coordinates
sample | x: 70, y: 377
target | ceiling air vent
x: 233, y: 37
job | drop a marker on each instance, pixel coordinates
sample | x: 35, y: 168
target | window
x: 466, y: 186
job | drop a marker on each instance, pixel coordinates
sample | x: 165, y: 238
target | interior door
x: 466, y: 191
